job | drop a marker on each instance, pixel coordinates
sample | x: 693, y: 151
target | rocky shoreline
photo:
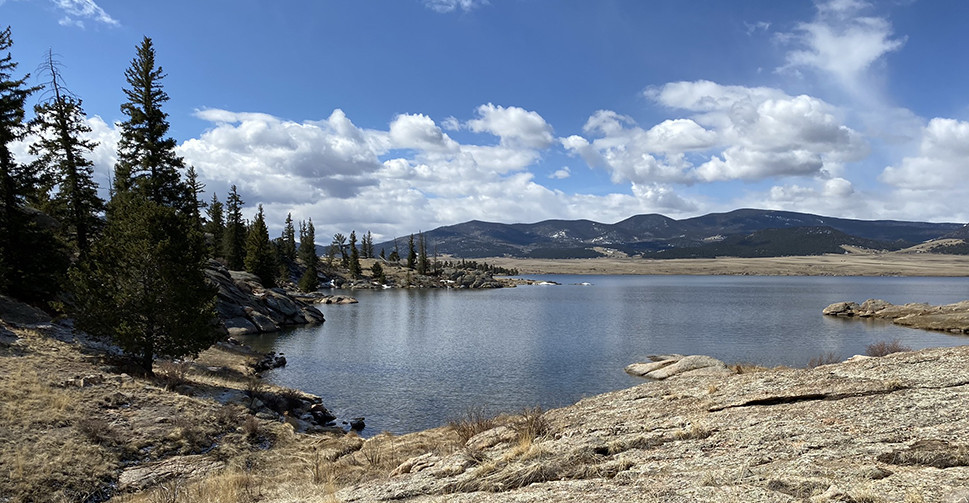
x: 870, y: 429
x: 952, y: 318
x: 245, y: 307
x: 867, y: 430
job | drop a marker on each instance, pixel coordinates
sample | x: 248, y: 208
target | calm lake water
x: 413, y: 359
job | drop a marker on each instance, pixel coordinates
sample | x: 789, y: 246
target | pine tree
x: 411, y: 254
x: 146, y: 157
x: 193, y: 203
x: 215, y: 225
x: 31, y: 258
x: 377, y: 272
x: 142, y: 284
x: 367, y: 245
x: 353, y: 264
x: 260, y: 253
x: 309, y: 282
x: 288, y: 239
x: 422, y: 256
x: 234, y: 239
x: 340, y: 244
x: 59, y: 125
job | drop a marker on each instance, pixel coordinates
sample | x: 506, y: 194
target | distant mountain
x: 732, y: 233
x: 777, y: 243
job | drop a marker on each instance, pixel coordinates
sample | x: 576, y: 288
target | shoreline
x: 875, y: 264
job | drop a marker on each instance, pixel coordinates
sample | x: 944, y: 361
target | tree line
x: 132, y: 268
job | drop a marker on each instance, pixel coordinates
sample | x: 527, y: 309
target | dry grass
x: 474, y: 421
x: 824, y: 359
x: 884, y: 348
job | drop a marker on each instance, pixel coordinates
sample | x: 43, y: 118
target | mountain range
x: 743, y: 232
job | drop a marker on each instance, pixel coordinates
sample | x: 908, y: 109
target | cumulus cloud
x: 419, y: 132
x: 271, y: 159
x: 77, y: 11
x: 516, y: 127
x: 733, y: 133
x: 444, y: 6
x: 841, y: 42
x: 941, y: 160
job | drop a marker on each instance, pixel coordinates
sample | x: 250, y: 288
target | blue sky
x: 400, y: 115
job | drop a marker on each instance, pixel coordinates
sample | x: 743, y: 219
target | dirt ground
x: 875, y: 264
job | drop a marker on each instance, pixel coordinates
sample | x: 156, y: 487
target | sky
x: 395, y: 116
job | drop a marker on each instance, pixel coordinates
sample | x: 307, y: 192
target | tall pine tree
x: 288, y: 239
x: 215, y: 225
x: 353, y: 263
x: 411, y: 253
x: 260, y: 252
x: 309, y: 282
x: 62, y: 156
x: 143, y: 284
x: 234, y: 239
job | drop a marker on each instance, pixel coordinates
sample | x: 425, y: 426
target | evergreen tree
x: 422, y: 264
x: 309, y: 282
x: 411, y: 254
x: 354, y: 262
x: 367, y: 245
x: 260, y: 252
x: 377, y: 272
x: 215, y: 225
x: 146, y: 157
x: 143, y: 284
x: 234, y: 239
x: 340, y: 244
x: 31, y: 258
x: 307, y: 243
x: 193, y: 202
x: 288, y: 239
x: 59, y: 125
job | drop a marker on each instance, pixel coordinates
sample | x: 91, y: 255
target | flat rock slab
x: 947, y: 318
x: 675, y: 365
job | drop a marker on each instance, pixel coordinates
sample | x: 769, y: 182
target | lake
x: 413, y: 359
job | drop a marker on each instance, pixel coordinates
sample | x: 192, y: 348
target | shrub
x: 824, y: 359
x: 173, y: 373
x: 886, y: 348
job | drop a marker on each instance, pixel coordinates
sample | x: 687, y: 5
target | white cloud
x: 941, y: 161
x: 516, y: 127
x: 444, y: 6
x: 419, y: 132
x: 561, y: 174
x: 270, y: 159
x: 753, y: 133
x: 76, y: 11
x: 841, y: 42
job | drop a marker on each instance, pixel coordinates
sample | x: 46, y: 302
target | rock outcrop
x: 666, y: 366
x: 876, y: 429
x: 246, y: 307
x: 949, y: 318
